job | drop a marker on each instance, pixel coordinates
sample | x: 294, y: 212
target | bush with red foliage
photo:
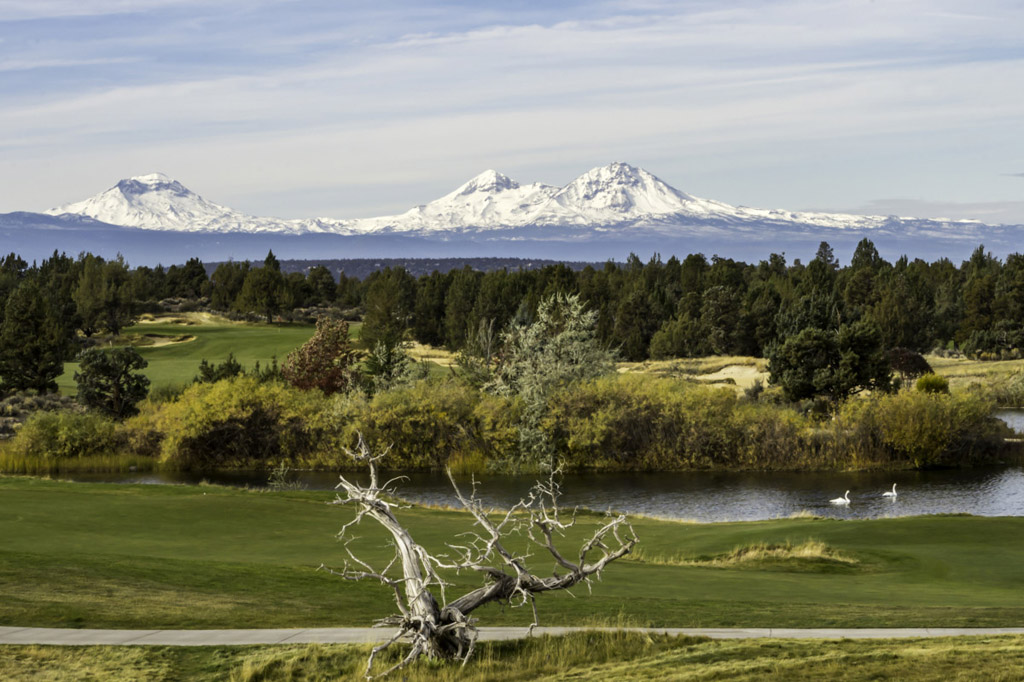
x: 326, y: 361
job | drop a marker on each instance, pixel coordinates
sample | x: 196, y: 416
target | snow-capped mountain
x: 157, y: 202
x: 613, y: 194
x: 604, y: 214
x: 490, y: 200
x: 607, y: 200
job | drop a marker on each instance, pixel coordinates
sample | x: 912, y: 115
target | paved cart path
x: 66, y: 636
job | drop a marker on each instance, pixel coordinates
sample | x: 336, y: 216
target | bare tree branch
x: 447, y: 632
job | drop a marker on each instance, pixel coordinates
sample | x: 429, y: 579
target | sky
x: 304, y: 108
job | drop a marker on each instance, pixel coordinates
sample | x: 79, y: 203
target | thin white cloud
x: 991, y: 212
x: 21, y: 10
x: 737, y: 85
x: 30, y: 65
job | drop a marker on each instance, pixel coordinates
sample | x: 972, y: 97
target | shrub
x: 636, y: 422
x: 16, y: 408
x: 774, y: 438
x: 139, y: 435
x: 211, y: 373
x: 932, y: 383
x: 431, y: 422
x: 242, y: 422
x: 65, y: 435
x: 166, y: 393
x: 640, y: 423
x: 326, y: 361
x: 754, y: 391
x: 929, y: 429
x: 1009, y: 392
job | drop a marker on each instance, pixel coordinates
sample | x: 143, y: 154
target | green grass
x: 175, y: 364
x: 580, y: 656
x: 963, y: 372
x: 174, y: 361
x: 95, y: 555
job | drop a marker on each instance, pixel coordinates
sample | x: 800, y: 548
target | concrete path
x: 66, y: 636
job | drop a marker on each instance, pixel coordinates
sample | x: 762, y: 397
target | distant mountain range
x: 605, y: 213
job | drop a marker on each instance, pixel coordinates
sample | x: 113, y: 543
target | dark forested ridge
x: 361, y: 268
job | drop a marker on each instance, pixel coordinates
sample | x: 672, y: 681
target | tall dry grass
x: 755, y: 554
x: 524, y: 659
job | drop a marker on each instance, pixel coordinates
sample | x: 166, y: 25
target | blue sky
x: 297, y: 108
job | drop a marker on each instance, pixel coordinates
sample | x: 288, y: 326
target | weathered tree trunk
x: 447, y: 632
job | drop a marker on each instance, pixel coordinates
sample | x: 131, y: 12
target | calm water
x: 1015, y: 418
x: 706, y: 496
x: 709, y: 496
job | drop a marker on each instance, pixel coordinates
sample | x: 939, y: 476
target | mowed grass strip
x: 579, y: 656
x: 133, y: 556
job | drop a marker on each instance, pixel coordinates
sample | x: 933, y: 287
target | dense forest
x: 660, y: 309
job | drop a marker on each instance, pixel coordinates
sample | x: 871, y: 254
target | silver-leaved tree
x: 558, y: 348
x: 440, y: 628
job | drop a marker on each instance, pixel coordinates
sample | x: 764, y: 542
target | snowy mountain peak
x: 489, y: 200
x: 141, y: 184
x: 152, y: 179
x: 626, y: 183
x: 490, y: 181
x: 158, y: 202
x: 620, y: 172
x: 614, y: 193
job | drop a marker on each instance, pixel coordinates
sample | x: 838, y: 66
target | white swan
x: 845, y: 500
x: 891, y: 493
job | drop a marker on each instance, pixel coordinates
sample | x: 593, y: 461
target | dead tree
x: 443, y: 629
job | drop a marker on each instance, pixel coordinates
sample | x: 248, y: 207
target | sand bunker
x: 156, y: 340
x: 745, y: 376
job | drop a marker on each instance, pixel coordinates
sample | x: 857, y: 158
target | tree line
x: 698, y: 306
x: 686, y: 307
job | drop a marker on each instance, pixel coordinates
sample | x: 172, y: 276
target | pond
x: 701, y: 495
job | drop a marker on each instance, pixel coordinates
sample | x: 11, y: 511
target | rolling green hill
x: 174, y: 345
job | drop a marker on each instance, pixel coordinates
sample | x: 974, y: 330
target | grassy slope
x: 588, y: 656
x: 215, y: 338
x: 962, y: 372
x: 203, y: 556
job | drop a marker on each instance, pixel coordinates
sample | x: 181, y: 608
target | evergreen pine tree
x: 109, y: 381
x: 33, y: 342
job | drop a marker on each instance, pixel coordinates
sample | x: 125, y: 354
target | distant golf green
x: 134, y: 556
x: 174, y: 345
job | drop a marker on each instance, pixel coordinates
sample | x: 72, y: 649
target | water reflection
x: 708, y: 496
x: 1013, y: 418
